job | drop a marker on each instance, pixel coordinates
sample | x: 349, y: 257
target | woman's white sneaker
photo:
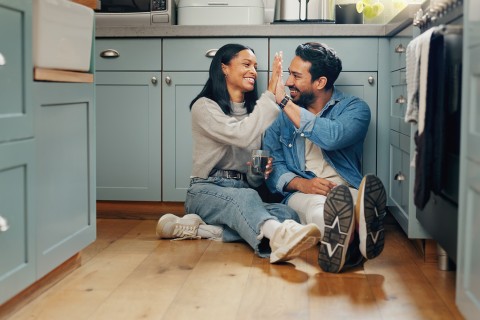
x: 170, y: 226
x: 291, y: 239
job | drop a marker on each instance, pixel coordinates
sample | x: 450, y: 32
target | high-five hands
x: 276, y: 84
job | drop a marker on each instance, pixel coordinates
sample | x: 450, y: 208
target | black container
x: 347, y: 14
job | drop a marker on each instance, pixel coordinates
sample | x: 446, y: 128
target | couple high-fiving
x: 315, y: 136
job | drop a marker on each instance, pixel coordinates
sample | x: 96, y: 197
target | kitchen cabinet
x: 401, y: 143
x: 128, y: 119
x: 16, y: 113
x: 17, y: 154
x: 468, y: 255
x: 186, y: 64
x: 17, y: 243
x: 65, y: 171
x: 47, y: 167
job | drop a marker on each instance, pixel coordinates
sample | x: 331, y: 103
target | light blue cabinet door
x: 128, y: 136
x: 16, y: 116
x: 468, y: 257
x: 181, y: 89
x: 17, y: 243
x: 364, y: 86
x: 65, y: 181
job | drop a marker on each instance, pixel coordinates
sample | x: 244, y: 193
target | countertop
x: 399, y: 22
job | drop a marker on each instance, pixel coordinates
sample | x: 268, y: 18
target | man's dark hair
x: 324, y: 60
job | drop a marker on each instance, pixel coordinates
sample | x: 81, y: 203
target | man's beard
x: 305, y: 99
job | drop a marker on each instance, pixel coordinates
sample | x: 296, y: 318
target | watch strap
x: 284, y: 101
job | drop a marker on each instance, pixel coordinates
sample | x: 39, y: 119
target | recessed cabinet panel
x: 128, y: 136
x: 17, y: 237
x: 16, y: 119
x: 65, y: 159
x: 359, y: 85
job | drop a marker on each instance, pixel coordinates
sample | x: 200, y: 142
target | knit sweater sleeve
x: 208, y: 118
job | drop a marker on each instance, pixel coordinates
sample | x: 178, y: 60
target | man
x: 316, y: 144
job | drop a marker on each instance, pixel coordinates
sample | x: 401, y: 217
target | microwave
x: 125, y: 13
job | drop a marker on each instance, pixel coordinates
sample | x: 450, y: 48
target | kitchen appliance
x: 310, y: 11
x: 437, y: 165
x: 221, y: 12
x: 121, y: 13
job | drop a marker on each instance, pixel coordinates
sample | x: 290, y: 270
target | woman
x: 228, y: 120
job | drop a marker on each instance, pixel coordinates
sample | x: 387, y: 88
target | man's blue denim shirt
x: 339, y: 130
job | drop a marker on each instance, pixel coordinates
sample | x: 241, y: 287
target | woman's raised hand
x: 276, y: 85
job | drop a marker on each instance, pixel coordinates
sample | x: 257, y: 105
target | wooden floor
x: 129, y: 274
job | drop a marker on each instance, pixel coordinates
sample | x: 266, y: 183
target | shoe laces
x: 185, y: 232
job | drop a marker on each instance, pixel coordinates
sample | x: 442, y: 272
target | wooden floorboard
x: 129, y: 274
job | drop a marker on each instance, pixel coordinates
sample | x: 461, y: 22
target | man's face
x: 300, y: 82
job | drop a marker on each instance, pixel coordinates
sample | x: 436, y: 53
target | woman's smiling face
x: 240, y: 74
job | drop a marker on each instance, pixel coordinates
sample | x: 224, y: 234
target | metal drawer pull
x: 399, y: 177
x: 371, y: 80
x: 168, y: 80
x: 400, y: 100
x: 400, y: 49
x: 211, y: 53
x: 109, y: 53
x: 154, y: 80
x: 2, y: 60
x: 3, y: 224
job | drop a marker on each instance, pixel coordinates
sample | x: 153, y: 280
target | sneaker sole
x: 338, y: 218
x: 310, y: 239
x: 370, y: 213
x: 165, y: 218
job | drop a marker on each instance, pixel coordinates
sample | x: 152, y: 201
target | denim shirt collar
x: 337, y: 95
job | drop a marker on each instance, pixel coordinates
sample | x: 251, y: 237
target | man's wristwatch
x: 284, y: 102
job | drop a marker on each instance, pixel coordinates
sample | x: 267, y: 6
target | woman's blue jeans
x: 235, y: 206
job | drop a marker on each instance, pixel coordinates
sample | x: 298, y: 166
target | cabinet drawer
x: 399, y: 77
x: 398, y: 48
x: 357, y: 54
x: 404, y: 143
x: 395, y: 138
x: 398, y: 102
x: 196, y: 54
x: 128, y: 54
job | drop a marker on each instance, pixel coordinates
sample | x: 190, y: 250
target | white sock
x: 268, y: 228
x: 207, y: 231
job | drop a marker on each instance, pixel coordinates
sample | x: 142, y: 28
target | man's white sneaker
x: 170, y: 226
x: 370, y: 212
x: 291, y: 239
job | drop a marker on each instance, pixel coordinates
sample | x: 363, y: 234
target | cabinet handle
x: 154, y: 80
x: 371, y: 80
x: 3, y: 224
x: 168, y: 80
x: 399, y: 177
x: 211, y: 53
x: 400, y: 100
x: 109, y: 53
x: 400, y: 48
x: 2, y: 60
